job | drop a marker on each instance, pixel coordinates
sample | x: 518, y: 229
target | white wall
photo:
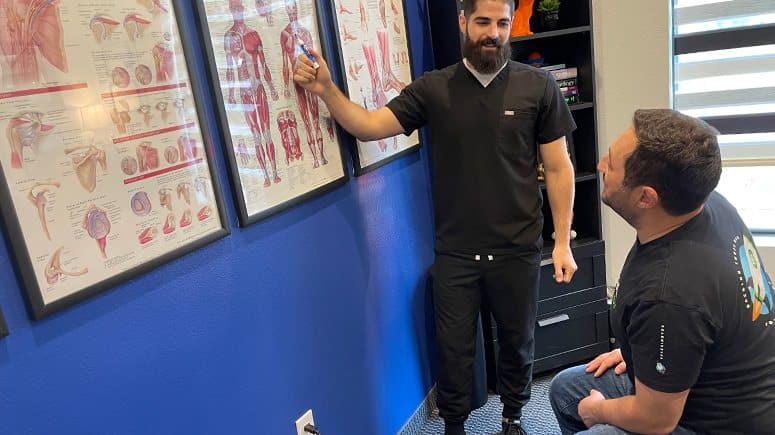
x: 633, y: 63
x: 632, y: 59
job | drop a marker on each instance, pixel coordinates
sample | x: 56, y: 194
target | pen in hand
x: 315, y: 63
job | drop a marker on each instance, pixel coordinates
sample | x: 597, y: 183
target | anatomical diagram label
x: 102, y: 152
x: 283, y: 139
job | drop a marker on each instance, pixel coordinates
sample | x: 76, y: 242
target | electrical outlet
x: 303, y: 421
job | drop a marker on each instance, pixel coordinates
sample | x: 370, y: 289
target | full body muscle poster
x: 281, y: 142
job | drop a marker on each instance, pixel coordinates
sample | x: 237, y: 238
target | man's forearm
x: 560, y: 188
x: 624, y: 413
x: 352, y: 117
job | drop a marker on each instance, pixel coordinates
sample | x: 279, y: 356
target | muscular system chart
x: 99, y: 127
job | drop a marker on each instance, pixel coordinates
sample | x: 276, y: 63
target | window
x: 724, y: 73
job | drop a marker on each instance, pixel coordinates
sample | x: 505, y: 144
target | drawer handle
x: 553, y: 320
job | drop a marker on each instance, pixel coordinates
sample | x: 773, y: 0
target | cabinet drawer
x: 568, y: 300
x: 591, y: 273
x: 567, y: 330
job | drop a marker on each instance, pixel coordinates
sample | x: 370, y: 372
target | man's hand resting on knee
x: 605, y: 361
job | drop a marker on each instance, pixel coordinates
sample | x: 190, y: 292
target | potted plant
x: 549, y: 11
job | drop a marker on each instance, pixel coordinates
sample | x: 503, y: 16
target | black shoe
x: 512, y: 427
x: 454, y: 428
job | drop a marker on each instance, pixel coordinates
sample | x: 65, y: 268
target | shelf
x: 580, y: 106
x: 551, y: 34
x: 581, y: 176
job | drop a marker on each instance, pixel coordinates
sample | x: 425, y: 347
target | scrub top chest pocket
x: 516, y: 132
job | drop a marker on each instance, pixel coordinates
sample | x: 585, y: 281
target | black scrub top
x: 483, y: 152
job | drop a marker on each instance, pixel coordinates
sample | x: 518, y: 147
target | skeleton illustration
x: 347, y: 36
x: 308, y: 103
x: 54, y: 268
x: 354, y: 69
x: 135, y: 25
x: 120, y: 116
x: 85, y: 160
x: 145, y: 110
x: 37, y: 196
x: 102, y: 27
x: 184, y: 192
x: 161, y: 106
x: 200, y: 184
x: 180, y: 107
x: 25, y: 130
x: 97, y: 225
x: 29, y: 28
x: 165, y: 198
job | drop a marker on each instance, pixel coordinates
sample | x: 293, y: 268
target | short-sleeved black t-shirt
x: 483, y: 151
x: 694, y: 310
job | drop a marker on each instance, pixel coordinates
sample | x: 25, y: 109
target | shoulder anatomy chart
x: 99, y: 129
x: 376, y: 64
x: 283, y: 139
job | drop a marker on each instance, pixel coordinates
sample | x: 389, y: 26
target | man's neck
x: 660, y: 224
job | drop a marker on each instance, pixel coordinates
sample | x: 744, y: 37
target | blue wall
x: 324, y: 306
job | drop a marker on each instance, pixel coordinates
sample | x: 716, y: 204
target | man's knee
x: 564, y: 387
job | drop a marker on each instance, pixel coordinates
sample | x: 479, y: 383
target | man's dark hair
x: 677, y: 155
x: 469, y: 6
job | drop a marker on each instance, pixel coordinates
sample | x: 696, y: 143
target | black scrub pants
x: 509, y: 284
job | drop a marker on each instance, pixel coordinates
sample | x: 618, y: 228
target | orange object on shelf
x: 520, y: 25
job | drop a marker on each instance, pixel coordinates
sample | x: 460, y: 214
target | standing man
x: 693, y: 311
x: 489, y: 118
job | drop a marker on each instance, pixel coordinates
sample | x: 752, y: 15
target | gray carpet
x: 537, y: 417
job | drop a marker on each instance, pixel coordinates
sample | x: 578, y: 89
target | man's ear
x: 461, y: 20
x: 649, y: 198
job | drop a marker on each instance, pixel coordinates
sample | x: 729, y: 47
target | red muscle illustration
x: 308, y: 103
x: 245, y: 54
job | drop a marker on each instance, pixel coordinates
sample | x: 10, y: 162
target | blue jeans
x: 572, y: 385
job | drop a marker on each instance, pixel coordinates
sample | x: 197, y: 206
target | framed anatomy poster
x: 105, y: 170
x: 281, y: 142
x: 375, y: 59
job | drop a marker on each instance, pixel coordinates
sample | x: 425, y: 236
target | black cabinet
x: 572, y: 324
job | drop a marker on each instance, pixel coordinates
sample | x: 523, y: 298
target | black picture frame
x: 23, y: 262
x: 3, y: 326
x: 239, y: 188
x: 354, y: 144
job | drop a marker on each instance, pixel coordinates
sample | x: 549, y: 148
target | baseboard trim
x: 421, y: 415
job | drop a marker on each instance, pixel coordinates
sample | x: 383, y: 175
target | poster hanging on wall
x: 375, y: 59
x: 282, y: 144
x: 105, y: 168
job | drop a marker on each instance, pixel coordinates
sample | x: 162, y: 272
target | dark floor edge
x: 421, y: 415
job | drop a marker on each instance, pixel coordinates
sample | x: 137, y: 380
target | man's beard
x: 616, y: 204
x: 486, y: 62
